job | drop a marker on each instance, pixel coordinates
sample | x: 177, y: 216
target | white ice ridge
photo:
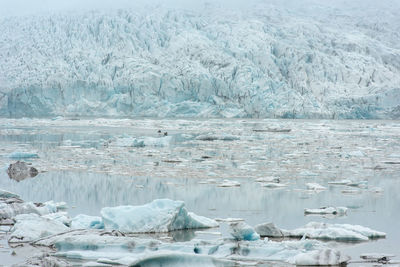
x: 161, y: 215
x: 322, y: 61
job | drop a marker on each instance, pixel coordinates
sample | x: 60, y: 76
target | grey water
x: 91, y: 164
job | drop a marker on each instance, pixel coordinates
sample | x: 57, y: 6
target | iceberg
x: 268, y: 230
x: 339, y: 232
x: 243, y: 231
x: 83, y: 221
x: 29, y: 227
x: 161, y: 215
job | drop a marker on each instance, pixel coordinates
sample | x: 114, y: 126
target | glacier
x: 268, y: 61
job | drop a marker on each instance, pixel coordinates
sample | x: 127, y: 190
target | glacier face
x: 268, y: 61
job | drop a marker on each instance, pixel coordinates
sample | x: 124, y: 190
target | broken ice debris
x: 268, y: 230
x: 273, y: 185
x: 23, y: 155
x: 20, y: 171
x: 340, y: 182
x: 83, y: 221
x: 243, y: 231
x: 327, y: 210
x: 320, y: 257
x: 211, y: 137
x: 229, y: 183
x: 339, y: 232
x: 10, y: 210
x: 161, y: 215
x: 7, y: 194
x: 315, y: 187
x: 29, y: 227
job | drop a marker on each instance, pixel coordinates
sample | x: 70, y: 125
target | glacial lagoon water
x: 94, y: 163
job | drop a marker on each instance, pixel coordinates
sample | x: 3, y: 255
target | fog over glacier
x: 297, y: 59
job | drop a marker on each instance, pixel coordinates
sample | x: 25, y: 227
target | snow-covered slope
x: 268, y: 61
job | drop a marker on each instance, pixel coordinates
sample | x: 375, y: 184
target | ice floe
x: 161, y: 215
x: 339, y: 232
x: 83, y: 221
x: 29, y: 227
x: 315, y: 187
x: 268, y: 230
x: 327, y: 210
x: 23, y: 155
x: 243, y: 231
x: 320, y: 257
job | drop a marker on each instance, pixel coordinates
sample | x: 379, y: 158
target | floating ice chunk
x: 327, y: 210
x: 61, y: 217
x: 144, y: 141
x: 351, y: 191
x: 229, y: 183
x: 268, y: 230
x: 273, y: 185
x: 243, y: 231
x: 211, y: 137
x: 360, y: 184
x: 229, y: 219
x: 377, y: 257
x: 7, y: 194
x: 268, y: 180
x: 29, y: 227
x: 340, y: 232
x: 161, y: 215
x: 308, y: 173
x: 340, y: 182
x: 357, y: 153
x: 83, y: 221
x: 23, y: 155
x: 377, y: 190
x: 319, y: 258
x: 315, y: 187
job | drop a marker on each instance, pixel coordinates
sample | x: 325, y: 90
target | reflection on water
x: 91, y: 167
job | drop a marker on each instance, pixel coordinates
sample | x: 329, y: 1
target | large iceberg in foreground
x: 161, y: 215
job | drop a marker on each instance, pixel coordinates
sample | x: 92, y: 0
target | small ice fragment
x: 340, y: 182
x: 23, y: 155
x: 243, y: 231
x: 268, y: 180
x: 273, y: 185
x: 229, y: 219
x: 327, y: 210
x: 315, y: 186
x: 360, y: 184
x: 377, y: 257
x: 351, y: 191
x: 268, y: 230
x: 229, y: 183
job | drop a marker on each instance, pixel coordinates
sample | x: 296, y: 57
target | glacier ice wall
x: 268, y: 61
